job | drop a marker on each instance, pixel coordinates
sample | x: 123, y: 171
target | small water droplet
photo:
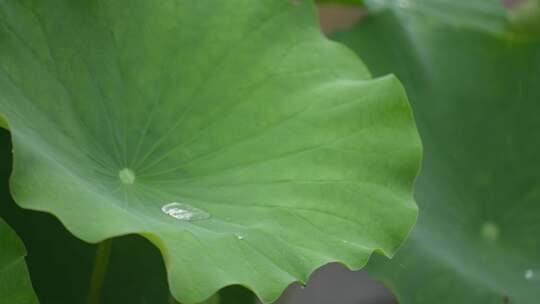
x: 184, y: 212
x: 529, y: 274
x: 490, y: 231
x: 126, y: 176
x: 239, y: 237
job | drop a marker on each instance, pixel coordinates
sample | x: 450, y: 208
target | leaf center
x: 126, y: 176
x: 490, y: 231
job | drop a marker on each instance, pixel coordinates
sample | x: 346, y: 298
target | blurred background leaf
x: 343, y: 2
x: 475, y: 94
x: 15, y: 285
x: 484, y: 15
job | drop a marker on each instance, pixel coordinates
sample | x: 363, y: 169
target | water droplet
x: 490, y: 231
x: 184, y: 212
x: 126, y: 176
x: 529, y: 274
x: 239, y: 237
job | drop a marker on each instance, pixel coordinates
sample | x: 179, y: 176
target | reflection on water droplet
x: 239, y: 237
x: 490, y: 231
x: 529, y: 274
x: 126, y: 176
x: 184, y: 212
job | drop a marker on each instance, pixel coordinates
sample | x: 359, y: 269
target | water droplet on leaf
x: 184, y: 212
x: 239, y: 237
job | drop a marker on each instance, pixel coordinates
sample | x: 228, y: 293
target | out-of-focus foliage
x: 346, y: 2
x: 475, y: 94
x: 480, y: 15
x: 15, y: 286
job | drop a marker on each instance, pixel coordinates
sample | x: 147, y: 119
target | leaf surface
x: 475, y: 97
x: 219, y: 131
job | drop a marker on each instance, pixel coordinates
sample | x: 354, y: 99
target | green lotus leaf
x: 475, y: 98
x: 72, y: 260
x: 219, y: 131
x: 15, y: 285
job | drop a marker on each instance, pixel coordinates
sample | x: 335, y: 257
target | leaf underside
x: 118, y: 108
x: 475, y: 96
